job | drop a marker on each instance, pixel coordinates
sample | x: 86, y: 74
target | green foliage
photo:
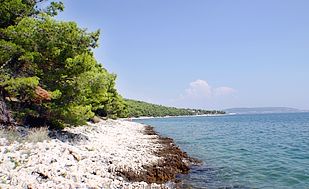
x: 75, y: 114
x: 38, y: 51
x: 12, y: 11
x: 139, y: 108
x: 21, y: 88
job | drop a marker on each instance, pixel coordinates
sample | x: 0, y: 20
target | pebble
x: 108, y: 146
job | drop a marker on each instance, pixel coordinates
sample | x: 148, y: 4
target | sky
x: 210, y: 54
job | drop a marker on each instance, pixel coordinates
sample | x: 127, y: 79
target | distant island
x: 137, y: 108
x: 262, y: 110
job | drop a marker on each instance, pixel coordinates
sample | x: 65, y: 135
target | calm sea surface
x: 243, y: 151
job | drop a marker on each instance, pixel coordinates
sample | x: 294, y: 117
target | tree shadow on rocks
x: 66, y: 136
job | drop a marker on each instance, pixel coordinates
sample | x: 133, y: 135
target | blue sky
x: 201, y: 53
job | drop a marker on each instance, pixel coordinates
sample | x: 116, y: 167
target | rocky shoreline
x: 108, y: 154
x: 172, y: 161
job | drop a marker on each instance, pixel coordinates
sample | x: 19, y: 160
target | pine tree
x: 48, y: 71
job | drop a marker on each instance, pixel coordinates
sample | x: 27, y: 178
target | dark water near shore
x: 243, y: 151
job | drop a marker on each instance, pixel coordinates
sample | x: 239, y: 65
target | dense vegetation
x: 139, y: 108
x: 48, y: 74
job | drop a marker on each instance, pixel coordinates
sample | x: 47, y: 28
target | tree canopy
x: 48, y: 71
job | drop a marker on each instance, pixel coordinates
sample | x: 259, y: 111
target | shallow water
x: 243, y: 151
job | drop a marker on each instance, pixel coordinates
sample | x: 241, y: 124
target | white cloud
x: 199, y: 89
x: 201, y: 94
x: 221, y: 91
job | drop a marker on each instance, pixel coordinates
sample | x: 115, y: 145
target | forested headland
x: 49, y: 75
x: 138, y: 108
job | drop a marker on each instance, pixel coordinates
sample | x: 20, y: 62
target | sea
x: 242, y: 151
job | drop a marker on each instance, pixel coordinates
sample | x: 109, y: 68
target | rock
x: 95, y: 119
x: 109, y: 154
x: 76, y: 156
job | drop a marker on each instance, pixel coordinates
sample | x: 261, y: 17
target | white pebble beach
x: 112, y: 146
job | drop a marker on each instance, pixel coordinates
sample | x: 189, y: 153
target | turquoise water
x: 243, y: 151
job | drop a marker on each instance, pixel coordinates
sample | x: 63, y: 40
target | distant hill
x: 262, y: 110
x: 137, y: 108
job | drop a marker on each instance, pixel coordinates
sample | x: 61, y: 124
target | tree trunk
x: 5, y: 115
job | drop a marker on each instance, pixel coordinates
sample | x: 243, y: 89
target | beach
x: 108, y: 154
